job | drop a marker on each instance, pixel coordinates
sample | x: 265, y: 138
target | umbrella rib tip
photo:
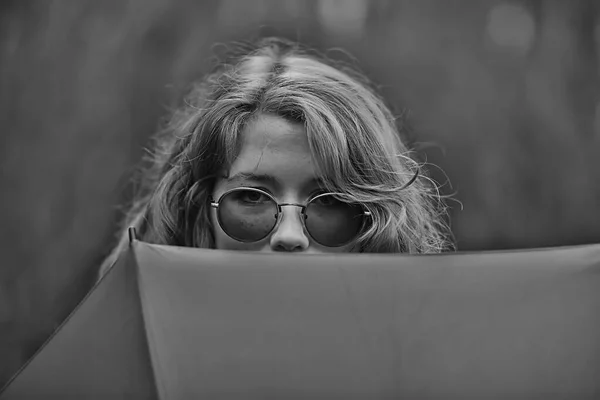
x: 131, y: 232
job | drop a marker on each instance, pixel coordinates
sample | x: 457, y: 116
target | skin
x: 278, y: 149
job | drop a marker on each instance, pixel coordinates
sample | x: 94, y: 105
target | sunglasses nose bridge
x: 290, y: 231
x: 301, y: 206
x: 301, y: 211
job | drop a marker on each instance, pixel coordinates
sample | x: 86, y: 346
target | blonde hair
x: 355, y: 139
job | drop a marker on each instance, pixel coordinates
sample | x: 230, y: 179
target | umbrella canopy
x: 178, y: 323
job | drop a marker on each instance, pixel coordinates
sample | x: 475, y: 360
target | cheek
x: 224, y: 242
x: 218, y: 234
x: 343, y: 249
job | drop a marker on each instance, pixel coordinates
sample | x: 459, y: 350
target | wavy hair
x: 355, y: 140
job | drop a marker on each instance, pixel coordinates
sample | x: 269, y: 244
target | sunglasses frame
x: 279, y: 215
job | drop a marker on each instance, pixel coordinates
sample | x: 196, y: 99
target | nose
x: 289, y: 235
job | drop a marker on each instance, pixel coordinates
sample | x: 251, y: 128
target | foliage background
x: 503, y: 97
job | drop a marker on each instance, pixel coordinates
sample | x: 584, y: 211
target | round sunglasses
x: 250, y: 215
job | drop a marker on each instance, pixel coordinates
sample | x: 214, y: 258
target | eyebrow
x: 249, y: 176
x: 266, y: 179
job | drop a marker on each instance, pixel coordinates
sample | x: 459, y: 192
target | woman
x: 280, y: 149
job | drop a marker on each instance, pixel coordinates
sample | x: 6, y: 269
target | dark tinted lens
x: 247, y: 215
x: 332, y: 222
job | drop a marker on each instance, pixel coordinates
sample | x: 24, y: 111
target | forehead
x: 271, y: 145
x: 274, y: 133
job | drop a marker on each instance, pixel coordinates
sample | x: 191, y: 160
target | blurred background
x: 503, y: 98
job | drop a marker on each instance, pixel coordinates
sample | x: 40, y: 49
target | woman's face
x: 276, y: 158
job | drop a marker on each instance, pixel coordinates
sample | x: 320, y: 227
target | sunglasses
x: 250, y: 215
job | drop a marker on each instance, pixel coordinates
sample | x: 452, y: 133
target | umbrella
x: 177, y: 323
